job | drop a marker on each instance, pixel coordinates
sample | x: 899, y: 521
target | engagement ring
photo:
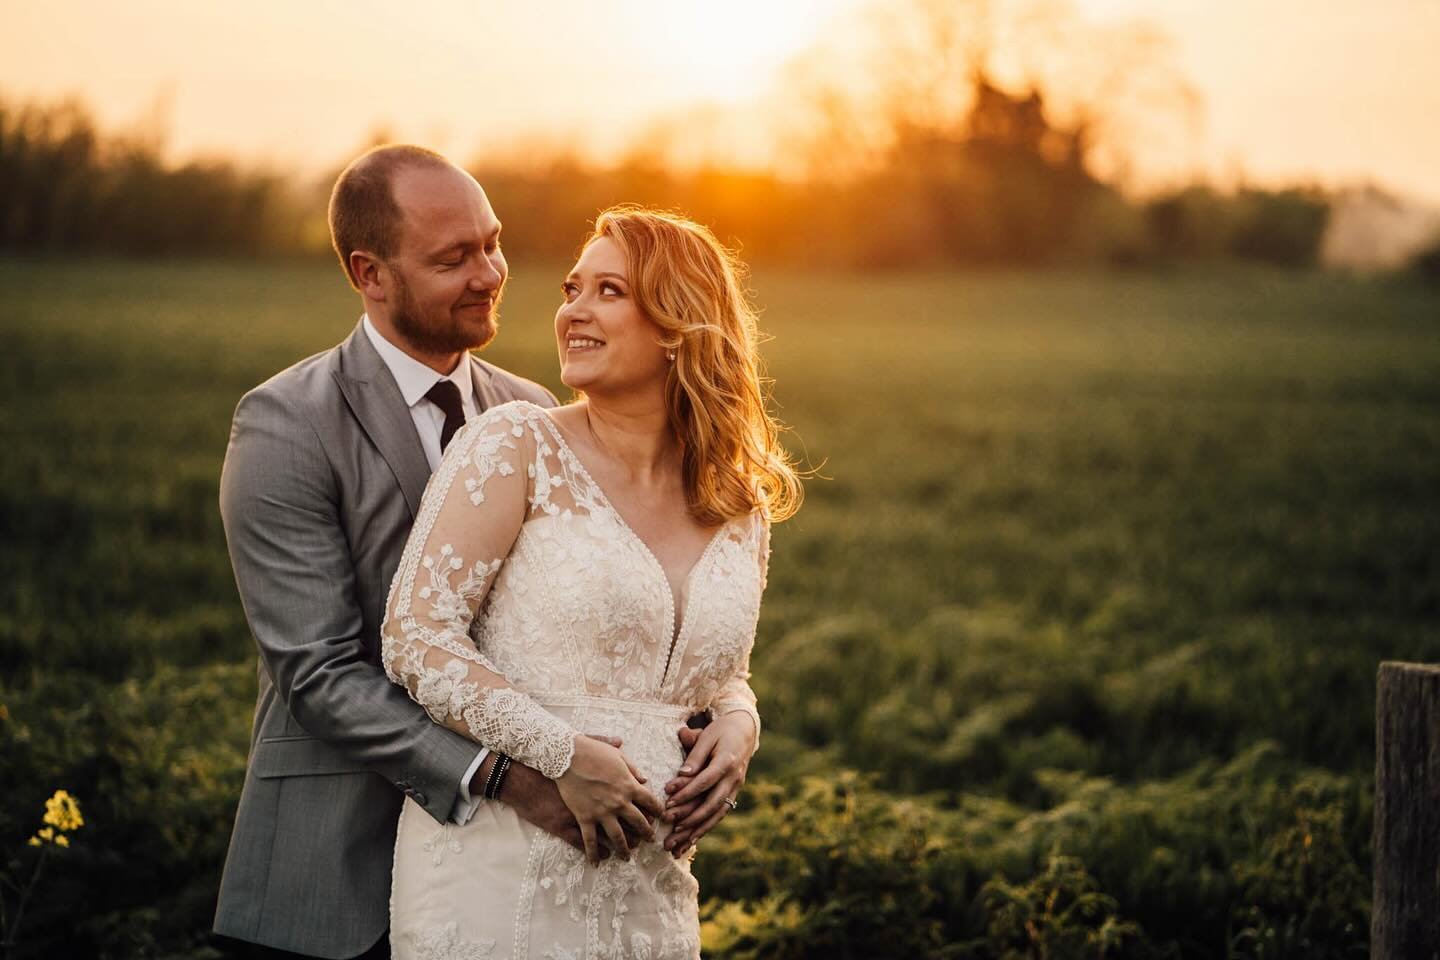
x: 733, y: 805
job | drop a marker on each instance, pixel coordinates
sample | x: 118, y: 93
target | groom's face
x: 448, y: 274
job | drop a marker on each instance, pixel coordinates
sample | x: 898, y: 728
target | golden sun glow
x: 301, y: 86
x: 730, y: 51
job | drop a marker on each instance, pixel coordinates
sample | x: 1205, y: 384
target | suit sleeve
x: 280, y: 506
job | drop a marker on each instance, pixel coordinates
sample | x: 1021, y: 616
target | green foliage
x: 1305, y: 897
x: 847, y: 860
x: 1091, y: 604
x: 65, y: 186
x: 1426, y: 264
x: 1059, y: 913
x: 1197, y: 865
x: 1003, y: 183
x: 157, y: 763
x: 1281, y: 227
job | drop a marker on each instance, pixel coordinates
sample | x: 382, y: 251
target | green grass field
x: 1071, y: 650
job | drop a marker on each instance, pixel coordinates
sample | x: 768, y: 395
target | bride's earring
x: 670, y: 356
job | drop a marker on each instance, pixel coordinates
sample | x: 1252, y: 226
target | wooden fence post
x: 1405, y: 922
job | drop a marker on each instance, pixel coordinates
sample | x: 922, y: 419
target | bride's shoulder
x: 514, y: 412
x: 504, y: 426
x: 751, y: 529
x: 509, y: 406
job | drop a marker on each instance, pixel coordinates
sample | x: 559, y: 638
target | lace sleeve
x: 469, y: 518
x: 737, y: 694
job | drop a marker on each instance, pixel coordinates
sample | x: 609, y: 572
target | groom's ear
x: 367, y: 269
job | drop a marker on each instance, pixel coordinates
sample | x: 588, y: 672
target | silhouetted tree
x: 66, y: 188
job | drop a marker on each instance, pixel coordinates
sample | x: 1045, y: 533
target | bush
x: 843, y: 869
x: 1426, y: 264
x: 157, y: 764
x: 1283, y: 228
x: 67, y: 188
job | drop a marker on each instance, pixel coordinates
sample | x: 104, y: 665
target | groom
x: 325, y: 469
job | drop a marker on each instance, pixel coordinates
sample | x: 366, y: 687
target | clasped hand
x: 717, y: 759
x: 606, y: 794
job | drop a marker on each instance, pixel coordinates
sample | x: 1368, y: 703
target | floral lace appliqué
x: 526, y: 611
x: 447, y: 944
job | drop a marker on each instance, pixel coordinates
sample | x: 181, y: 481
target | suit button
x: 418, y: 797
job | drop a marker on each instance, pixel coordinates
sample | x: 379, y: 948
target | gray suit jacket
x: 322, y: 479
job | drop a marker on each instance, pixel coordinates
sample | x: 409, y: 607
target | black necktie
x: 446, y: 396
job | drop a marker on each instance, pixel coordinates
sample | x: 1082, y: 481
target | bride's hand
x: 717, y: 759
x: 605, y: 792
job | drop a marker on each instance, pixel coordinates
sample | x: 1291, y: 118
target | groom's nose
x: 489, y: 273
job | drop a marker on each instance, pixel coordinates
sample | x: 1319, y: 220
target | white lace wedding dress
x: 526, y: 611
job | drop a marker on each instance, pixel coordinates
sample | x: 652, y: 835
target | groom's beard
x: 459, y: 327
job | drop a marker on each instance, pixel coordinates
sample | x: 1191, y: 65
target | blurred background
x: 1113, y: 328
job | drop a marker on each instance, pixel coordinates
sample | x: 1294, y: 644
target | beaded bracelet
x: 490, y: 778
x: 494, y: 771
x: 500, y: 784
x: 496, y: 780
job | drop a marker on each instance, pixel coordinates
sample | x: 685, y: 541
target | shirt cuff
x: 465, y: 804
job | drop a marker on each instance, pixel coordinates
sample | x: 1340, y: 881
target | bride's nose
x: 576, y: 311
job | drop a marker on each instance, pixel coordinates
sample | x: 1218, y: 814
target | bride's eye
x: 610, y: 288
x: 569, y: 290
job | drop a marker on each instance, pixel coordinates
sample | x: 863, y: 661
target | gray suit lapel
x: 484, y: 385
x: 376, y: 401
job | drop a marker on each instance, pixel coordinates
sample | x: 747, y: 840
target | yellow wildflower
x: 34, y: 841
x: 63, y: 811
x: 63, y: 840
x: 47, y: 834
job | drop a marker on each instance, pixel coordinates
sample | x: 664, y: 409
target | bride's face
x: 607, y: 346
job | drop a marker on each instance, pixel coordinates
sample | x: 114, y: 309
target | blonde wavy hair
x: 690, y: 286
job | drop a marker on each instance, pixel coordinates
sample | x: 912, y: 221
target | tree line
x: 67, y: 187
x: 1005, y: 185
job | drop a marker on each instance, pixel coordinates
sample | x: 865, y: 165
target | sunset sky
x: 1325, y: 89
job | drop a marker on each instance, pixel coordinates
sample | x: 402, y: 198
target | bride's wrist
x: 575, y: 748
x: 581, y: 746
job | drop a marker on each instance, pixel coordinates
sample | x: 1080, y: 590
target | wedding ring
x: 732, y: 804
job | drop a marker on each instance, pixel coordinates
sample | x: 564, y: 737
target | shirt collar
x: 412, y: 377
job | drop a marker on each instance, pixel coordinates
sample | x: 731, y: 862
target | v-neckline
x: 676, y: 630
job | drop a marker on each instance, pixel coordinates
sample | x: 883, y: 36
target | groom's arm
x: 536, y: 799
x: 280, y: 505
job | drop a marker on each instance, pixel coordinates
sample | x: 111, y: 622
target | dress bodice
x: 521, y: 583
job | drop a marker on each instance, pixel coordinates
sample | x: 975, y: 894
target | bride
x: 593, y: 569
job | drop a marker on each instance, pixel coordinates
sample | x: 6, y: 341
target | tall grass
x: 1072, y: 650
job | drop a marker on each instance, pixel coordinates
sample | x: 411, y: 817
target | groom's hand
x: 536, y: 799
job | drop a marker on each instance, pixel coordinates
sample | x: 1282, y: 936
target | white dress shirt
x: 415, y: 380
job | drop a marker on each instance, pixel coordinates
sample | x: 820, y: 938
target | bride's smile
x: 606, y: 344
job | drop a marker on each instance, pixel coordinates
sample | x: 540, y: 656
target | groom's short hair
x: 363, y: 211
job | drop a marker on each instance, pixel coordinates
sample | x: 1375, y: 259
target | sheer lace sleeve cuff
x: 737, y: 696
x: 520, y: 727
x: 721, y: 708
